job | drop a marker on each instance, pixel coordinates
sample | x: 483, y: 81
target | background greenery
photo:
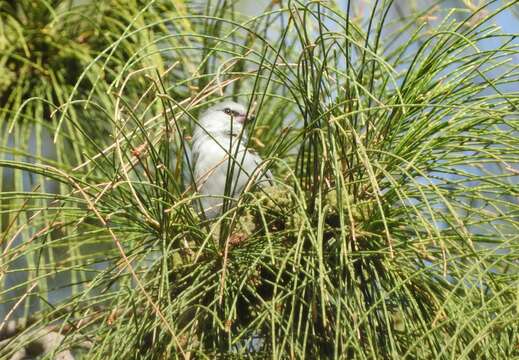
x: 393, y: 227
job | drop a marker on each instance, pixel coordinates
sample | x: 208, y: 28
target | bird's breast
x: 212, y: 160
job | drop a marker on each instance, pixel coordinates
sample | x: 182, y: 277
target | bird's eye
x: 227, y: 111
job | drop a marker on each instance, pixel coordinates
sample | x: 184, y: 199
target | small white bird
x: 222, y: 163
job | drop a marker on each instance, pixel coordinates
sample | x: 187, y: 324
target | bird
x: 222, y: 163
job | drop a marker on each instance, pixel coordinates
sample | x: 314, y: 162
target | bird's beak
x: 251, y: 117
x: 242, y: 119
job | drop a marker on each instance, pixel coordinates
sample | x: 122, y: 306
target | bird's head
x: 227, y: 117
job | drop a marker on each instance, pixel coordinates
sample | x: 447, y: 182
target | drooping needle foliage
x: 392, y: 229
